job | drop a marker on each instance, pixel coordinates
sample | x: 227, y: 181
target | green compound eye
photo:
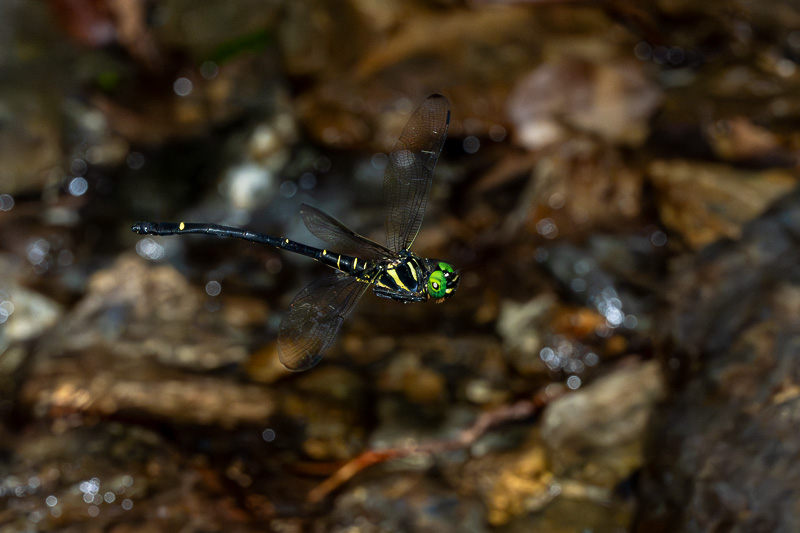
x: 445, y: 267
x: 437, y: 285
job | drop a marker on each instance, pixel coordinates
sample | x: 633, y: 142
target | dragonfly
x: 393, y: 271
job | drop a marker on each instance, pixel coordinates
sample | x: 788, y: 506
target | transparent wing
x: 314, y: 319
x: 342, y: 239
x: 407, y: 181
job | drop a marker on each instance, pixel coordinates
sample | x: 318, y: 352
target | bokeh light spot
x: 213, y: 288
x: 288, y: 189
x: 209, y: 70
x: 573, y: 382
x: 78, y: 186
x: 471, y: 144
x: 6, y: 202
x: 182, y: 86
x: 497, y: 133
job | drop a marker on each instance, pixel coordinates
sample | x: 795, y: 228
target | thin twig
x: 505, y: 413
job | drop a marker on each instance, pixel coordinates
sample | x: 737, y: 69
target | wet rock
x: 725, y: 447
x: 714, y: 296
x: 54, y: 490
x: 589, y: 442
x: 544, y: 338
x: 109, y: 477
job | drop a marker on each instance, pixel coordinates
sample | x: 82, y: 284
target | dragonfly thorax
x: 402, y: 279
x: 410, y: 278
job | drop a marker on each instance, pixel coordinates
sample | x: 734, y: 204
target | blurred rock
x: 24, y: 314
x: 216, y: 31
x: 597, y: 434
x: 512, y: 484
x: 706, y: 202
x: 613, y: 100
x: 522, y: 327
x: 419, y: 384
x: 744, y: 408
x: 136, y: 311
x: 724, y: 449
x: 330, y: 403
x: 84, y: 385
x: 738, y: 139
x: 120, y: 348
x: 369, y: 80
x: 30, y: 146
x: 405, y: 502
x: 579, y: 184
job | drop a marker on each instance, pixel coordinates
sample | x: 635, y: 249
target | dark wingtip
x: 438, y: 96
x: 437, y: 99
x: 303, y: 363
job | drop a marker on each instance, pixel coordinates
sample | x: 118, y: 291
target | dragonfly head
x: 442, y: 281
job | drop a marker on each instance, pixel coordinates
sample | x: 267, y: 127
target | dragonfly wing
x: 314, y: 319
x: 409, y: 173
x: 341, y: 238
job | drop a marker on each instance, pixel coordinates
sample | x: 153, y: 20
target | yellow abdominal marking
x: 338, y: 260
x: 181, y: 226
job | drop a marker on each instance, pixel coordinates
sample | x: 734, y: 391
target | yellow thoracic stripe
x: 393, y: 273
